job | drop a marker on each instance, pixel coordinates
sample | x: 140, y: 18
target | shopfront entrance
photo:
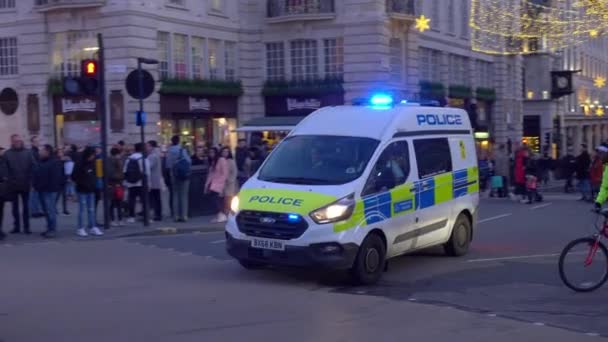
x: 211, y: 120
x: 76, y: 120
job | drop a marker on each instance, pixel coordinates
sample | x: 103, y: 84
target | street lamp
x: 145, y: 197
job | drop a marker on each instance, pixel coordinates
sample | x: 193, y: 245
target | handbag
x: 119, y: 193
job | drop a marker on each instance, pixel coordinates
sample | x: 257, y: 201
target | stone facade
x: 379, y: 48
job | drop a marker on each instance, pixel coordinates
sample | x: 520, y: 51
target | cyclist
x: 602, y: 197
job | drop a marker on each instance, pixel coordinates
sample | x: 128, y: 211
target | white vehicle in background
x: 353, y: 186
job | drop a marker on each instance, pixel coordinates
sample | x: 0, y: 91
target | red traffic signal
x: 88, y: 68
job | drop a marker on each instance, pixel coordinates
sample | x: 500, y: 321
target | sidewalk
x: 67, y: 225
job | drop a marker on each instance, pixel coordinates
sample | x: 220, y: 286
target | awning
x: 270, y: 124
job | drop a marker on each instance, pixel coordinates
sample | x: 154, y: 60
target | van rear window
x: 433, y: 156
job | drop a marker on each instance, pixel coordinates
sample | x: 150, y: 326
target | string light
x: 599, y: 82
x: 513, y: 27
x: 423, y: 23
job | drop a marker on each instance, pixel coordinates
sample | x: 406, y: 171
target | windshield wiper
x: 297, y: 180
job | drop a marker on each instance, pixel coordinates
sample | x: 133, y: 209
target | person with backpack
x: 179, y: 165
x: 117, y: 191
x: 134, y: 175
x: 86, y: 184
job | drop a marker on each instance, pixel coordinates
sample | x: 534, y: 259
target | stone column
x: 578, y: 139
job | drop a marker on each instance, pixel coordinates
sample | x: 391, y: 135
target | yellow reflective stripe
x: 473, y: 176
x: 356, y: 219
x: 283, y: 201
x: 444, y: 187
x: 400, y: 194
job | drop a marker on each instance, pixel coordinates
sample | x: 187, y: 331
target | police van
x: 353, y: 186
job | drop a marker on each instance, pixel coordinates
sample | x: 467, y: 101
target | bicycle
x: 587, y: 257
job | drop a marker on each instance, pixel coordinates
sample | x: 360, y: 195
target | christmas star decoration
x: 593, y: 33
x: 599, y: 82
x: 423, y: 23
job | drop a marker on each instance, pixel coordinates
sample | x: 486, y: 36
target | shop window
x: 304, y: 62
x: 275, y: 61
x: 433, y: 157
x: 69, y: 48
x: 391, y: 169
x: 218, y: 5
x: 180, y: 68
x: 7, y: 4
x: 162, y: 44
x: 430, y: 65
x: 396, y: 60
x: 334, y: 57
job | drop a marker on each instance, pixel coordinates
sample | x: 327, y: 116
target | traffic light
x: 89, y: 76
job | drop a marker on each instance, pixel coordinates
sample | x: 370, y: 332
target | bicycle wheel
x: 581, y: 268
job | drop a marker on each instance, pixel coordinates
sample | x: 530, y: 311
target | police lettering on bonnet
x: 438, y: 119
x: 366, y: 204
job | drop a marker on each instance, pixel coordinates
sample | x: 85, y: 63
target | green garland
x: 460, y: 92
x: 54, y: 86
x: 431, y: 90
x: 485, y: 94
x: 200, y: 87
x: 304, y: 88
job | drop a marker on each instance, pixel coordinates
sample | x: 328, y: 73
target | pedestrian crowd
x: 518, y: 175
x: 39, y: 179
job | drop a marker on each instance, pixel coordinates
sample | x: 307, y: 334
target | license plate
x: 274, y: 245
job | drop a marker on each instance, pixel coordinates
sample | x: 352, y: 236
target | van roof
x: 378, y: 123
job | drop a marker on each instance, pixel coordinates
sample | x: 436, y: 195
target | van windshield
x: 318, y: 160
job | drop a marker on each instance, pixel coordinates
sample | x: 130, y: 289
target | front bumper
x: 341, y: 256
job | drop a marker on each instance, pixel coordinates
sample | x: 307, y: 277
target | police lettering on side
x: 276, y: 200
x: 439, y: 119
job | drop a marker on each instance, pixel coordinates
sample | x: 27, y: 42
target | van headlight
x: 340, y: 210
x: 234, y: 205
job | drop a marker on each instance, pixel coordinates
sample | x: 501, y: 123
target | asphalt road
x: 185, y: 288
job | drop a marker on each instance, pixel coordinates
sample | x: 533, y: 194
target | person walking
x: 85, y: 178
x: 65, y: 167
x: 48, y: 181
x: 241, y: 154
x: 34, y: 200
x: 134, y: 175
x: 117, y: 191
x: 155, y: 180
x: 231, y: 188
x: 521, y: 159
x: 583, y: 162
x: 501, y: 171
x: 596, y: 172
x: 5, y: 190
x: 20, y: 163
x: 216, y: 183
x: 179, y: 165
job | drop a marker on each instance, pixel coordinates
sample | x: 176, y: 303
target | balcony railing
x: 52, y: 5
x: 401, y: 8
x: 287, y: 10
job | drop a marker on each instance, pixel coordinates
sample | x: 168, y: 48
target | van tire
x: 370, y: 261
x: 251, y: 265
x: 460, y: 240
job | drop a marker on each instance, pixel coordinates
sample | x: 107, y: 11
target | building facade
x: 222, y: 63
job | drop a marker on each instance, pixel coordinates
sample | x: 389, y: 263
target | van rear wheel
x: 370, y: 261
x: 460, y: 240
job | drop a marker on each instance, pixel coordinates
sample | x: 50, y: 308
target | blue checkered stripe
x: 378, y: 207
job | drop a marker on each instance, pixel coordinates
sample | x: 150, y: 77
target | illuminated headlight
x: 334, y: 212
x: 234, y: 205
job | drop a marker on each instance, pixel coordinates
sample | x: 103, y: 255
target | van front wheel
x: 459, y: 242
x: 370, y: 261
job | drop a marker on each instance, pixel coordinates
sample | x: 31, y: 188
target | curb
x: 163, y: 231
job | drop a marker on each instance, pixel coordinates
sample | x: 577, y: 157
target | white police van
x: 352, y: 186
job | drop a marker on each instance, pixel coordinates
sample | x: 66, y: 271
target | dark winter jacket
x: 21, y: 164
x: 583, y: 162
x: 49, y: 175
x: 84, y: 176
x: 5, y: 190
x: 115, y: 174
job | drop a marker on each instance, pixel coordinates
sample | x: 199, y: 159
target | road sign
x: 116, y: 68
x: 132, y: 84
x: 140, y: 120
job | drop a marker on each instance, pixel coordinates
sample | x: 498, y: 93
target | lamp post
x: 140, y: 61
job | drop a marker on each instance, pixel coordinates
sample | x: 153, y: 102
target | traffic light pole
x: 104, y: 132
x: 145, y: 195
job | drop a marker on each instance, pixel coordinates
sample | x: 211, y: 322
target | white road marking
x: 592, y: 334
x: 492, y: 315
x: 494, y: 218
x: 218, y: 241
x: 516, y: 257
x: 540, y: 324
x: 541, y: 206
x: 186, y: 254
